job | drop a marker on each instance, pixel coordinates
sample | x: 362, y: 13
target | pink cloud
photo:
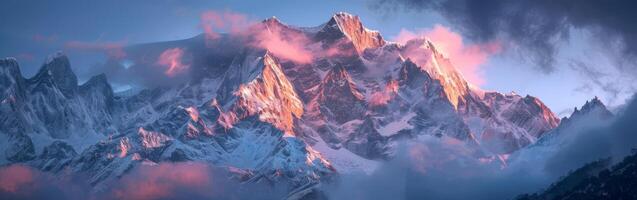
x: 172, y: 60
x: 184, y: 180
x: 111, y: 49
x: 23, y: 182
x: 466, y: 58
x: 15, y: 177
x: 288, y: 45
x: 213, y: 22
x: 164, y: 181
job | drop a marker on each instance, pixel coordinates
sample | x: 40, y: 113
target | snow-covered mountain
x: 591, y: 116
x: 249, y: 108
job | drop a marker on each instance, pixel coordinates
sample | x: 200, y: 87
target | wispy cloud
x: 466, y: 58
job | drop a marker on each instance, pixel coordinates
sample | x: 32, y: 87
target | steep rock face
x: 367, y: 141
x: 11, y: 80
x: 424, y: 53
x: 13, y: 95
x: 426, y: 97
x: 55, y: 156
x: 47, y: 118
x: 99, y: 99
x: 57, y: 70
x: 530, y: 114
x: 349, y: 26
x: 52, y: 103
x: 339, y: 98
x: 52, y: 94
x: 263, y: 90
x: 20, y: 148
x: 521, y: 119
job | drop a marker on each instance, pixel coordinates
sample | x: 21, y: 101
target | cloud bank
x: 187, y: 180
x: 443, y: 168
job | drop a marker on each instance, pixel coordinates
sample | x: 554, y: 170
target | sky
x: 580, y: 66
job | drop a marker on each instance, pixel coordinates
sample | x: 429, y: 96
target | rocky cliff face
x: 246, y: 108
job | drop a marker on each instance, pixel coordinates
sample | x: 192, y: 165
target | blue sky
x: 33, y: 29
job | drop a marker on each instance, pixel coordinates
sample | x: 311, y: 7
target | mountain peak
x: 349, y: 26
x: 592, y: 109
x: 11, y: 80
x: 10, y: 67
x: 270, y: 96
x: 58, y: 68
x: 272, y: 21
x: 593, y: 106
x: 424, y: 42
x: 97, y: 80
x: 595, y: 102
x: 55, y: 56
x: 342, y: 14
x: 8, y: 62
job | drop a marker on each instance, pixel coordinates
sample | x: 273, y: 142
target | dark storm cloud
x: 612, y: 88
x: 535, y: 26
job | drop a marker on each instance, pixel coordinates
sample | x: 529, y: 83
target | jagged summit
x: 11, y: 80
x: 592, y: 113
x: 273, y: 21
x: 349, y: 26
x: 9, y: 62
x: 57, y: 69
x: 10, y: 67
x: 593, y: 107
x: 257, y: 86
x: 54, y: 56
x: 592, y: 104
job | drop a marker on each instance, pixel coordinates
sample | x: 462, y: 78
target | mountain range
x: 268, y: 116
